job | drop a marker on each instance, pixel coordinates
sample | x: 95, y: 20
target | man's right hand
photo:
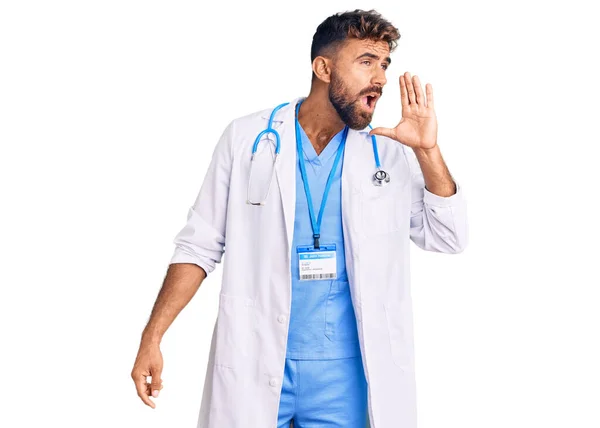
x: 180, y: 284
x: 148, y: 362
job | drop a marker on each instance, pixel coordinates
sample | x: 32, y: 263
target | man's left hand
x: 418, y: 126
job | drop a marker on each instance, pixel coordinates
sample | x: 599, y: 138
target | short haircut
x: 358, y: 24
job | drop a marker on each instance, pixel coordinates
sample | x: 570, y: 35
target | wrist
x: 426, y: 152
x: 151, y: 337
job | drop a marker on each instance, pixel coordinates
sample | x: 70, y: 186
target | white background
x: 109, y: 112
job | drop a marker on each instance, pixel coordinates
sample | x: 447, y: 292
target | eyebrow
x: 373, y: 56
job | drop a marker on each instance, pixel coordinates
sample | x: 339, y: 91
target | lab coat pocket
x: 380, y: 209
x: 400, y: 344
x: 235, y: 329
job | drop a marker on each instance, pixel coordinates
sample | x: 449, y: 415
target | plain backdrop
x: 109, y: 113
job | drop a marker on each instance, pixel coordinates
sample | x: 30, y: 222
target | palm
x: 418, y: 126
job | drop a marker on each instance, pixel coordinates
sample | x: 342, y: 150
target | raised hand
x: 418, y: 125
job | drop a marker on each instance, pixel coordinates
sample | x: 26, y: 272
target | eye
x: 385, y: 66
x: 367, y: 62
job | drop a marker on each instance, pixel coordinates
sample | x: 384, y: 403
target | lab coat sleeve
x: 202, y: 239
x: 437, y: 223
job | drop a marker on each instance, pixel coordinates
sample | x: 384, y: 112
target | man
x: 315, y: 317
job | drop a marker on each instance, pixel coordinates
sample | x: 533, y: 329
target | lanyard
x: 316, y: 225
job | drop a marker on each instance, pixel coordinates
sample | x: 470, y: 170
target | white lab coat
x: 247, y: 355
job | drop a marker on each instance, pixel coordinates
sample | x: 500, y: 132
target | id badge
x: 317, y: 264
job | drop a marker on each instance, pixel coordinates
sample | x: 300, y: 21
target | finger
x: 409, y: 88
x: 142, y: 390
x: 149, y: 389
x: 156, y: 384
x: 418, y: 90
x: 403, y: 92
x: 429, y: 92
x: 385, y: 132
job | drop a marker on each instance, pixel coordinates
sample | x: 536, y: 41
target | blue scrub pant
x: 323, y: 394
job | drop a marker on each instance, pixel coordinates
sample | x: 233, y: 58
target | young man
x: 315, y: 315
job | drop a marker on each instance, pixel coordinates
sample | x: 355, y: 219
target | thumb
x: 156, y: 384
x: 385, y: 132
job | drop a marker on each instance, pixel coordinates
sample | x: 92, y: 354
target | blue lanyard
x: 316, y: 225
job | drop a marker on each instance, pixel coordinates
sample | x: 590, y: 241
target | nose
x: 379, y: 77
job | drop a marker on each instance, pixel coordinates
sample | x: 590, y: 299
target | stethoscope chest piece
x: 381, y: 178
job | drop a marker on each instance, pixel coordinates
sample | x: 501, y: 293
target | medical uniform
x: 324, y: 382
x: 249, y: 380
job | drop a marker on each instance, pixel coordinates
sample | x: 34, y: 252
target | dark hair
x: 358, y: 24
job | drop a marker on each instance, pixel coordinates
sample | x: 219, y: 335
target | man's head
x: 350, y: 53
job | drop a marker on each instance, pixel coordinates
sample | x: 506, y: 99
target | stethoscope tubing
x: 379, y: 178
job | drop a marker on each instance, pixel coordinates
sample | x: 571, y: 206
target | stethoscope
x: 380, y: 177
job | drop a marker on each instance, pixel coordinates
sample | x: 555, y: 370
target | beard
x: 348, y: 106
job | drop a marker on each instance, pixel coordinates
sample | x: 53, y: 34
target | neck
x: 319, y: 119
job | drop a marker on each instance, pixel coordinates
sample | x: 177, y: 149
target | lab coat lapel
x: 353, y: 170
x: 353, y: 162
x: 285, y: 168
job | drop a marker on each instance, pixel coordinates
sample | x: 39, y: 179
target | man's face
x: 357, y: 79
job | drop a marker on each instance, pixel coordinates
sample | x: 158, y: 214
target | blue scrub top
x: 322, y: 319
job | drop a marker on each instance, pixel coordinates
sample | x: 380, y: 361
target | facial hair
x: 346, y: 104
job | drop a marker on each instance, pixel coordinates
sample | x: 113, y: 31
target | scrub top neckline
x: 328, y: 152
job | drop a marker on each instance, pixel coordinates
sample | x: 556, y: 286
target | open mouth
x: 370, y: 100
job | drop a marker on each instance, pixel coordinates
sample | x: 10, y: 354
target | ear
x: 322, y: 68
